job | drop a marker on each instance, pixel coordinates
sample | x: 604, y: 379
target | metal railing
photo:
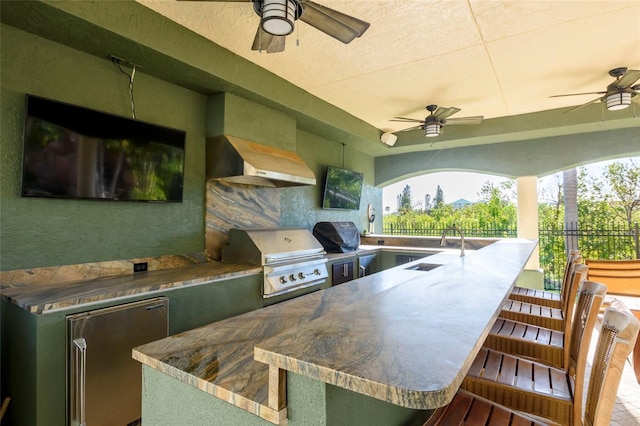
x: 612, y: 241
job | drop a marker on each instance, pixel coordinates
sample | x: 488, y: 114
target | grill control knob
x: 292, y: 277
x: 283, y: 280
x: 316, y: 271
x: 301, y: 275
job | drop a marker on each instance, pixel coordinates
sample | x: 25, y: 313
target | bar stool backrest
x: 575, y: 259
x: 618, y: 335
x: 590, y: 297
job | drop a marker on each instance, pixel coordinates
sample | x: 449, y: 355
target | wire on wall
x: 119, y: 63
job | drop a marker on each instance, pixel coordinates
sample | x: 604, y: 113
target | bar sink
x: 423, y: 267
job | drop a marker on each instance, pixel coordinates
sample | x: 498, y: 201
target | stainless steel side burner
x: 292, y: 258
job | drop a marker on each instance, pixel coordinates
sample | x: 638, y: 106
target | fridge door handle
x: 80, y: 353
x: 156, y: 306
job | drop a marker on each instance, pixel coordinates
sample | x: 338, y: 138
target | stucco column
x: 528, y: 214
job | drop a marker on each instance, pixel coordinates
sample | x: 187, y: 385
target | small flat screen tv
x: 342, y: 189
x: 75, y: 152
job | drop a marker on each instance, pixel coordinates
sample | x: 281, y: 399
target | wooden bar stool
x: 617, y: 336
x: 551, y: 299
x: 622, y: 278
x: 545, y: 316
x: 525, y: 385
x: 539, y: 343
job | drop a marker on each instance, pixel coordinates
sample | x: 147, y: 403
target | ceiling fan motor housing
x: 278, y: 16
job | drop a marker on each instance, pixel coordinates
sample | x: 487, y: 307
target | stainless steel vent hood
x: 237, y: 160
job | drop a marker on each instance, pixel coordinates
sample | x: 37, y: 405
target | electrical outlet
x: 140, y: 267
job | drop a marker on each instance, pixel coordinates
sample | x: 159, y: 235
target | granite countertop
x: 403, y: 336
x: 52, y: 296
x: 49, y: 297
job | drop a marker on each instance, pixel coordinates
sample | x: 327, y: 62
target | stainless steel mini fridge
x: 104, y: 383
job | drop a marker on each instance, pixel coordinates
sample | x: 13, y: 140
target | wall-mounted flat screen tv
x: 75, y: 152
x: 342, y: 189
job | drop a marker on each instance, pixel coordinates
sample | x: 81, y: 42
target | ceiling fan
x: 277, y: 20
x: 618, y: 94
x: 438, y: 117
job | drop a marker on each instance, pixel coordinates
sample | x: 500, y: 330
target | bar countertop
x: 403, y: 335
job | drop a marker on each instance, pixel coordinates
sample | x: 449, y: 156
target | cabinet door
x: 367, y: 265
x: 342, y: 272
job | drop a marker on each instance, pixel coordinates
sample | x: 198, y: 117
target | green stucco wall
x: 45, y: 232
x: 48, y: 232
x: 535, y: 157
x: 301, y: 206
x: 249, y: 120
x: 169, y: 402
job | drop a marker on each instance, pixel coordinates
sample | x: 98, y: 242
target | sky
x: 456, y: 185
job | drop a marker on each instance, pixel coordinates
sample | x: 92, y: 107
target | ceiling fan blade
x: 265, y: 41
x: 577, y: 94
x: 277, y: 45
x: 630, y: 77
x: 405, y: 119
x: 477, y: 119
x: 583, y: 105
x: 443, y: 113
x: 333, y: 23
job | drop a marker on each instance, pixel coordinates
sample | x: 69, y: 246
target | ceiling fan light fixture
x: 617, y: 101
x: 278, y: 16
x: 432, y: 130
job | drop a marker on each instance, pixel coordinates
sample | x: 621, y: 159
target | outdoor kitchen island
x: 381, y: 350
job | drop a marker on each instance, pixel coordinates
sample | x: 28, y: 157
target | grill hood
x: 262, y: 246
x: 232, y: 159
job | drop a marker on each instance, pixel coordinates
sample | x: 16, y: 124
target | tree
x: 624, y: 181
x: 619, y: 188
x: 439, y: 199
x: 404, y: 203
x: 495, y: 207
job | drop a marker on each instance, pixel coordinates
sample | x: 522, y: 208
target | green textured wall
x: 169, y: 402
x: 249, y: 120
x: 303, y: 207
x: 46, y: 232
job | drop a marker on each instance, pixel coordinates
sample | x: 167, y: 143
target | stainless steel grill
x: 292, y: 258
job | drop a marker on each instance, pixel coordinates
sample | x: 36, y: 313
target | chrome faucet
x: 443, y: 240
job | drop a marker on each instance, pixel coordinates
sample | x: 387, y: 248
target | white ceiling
x: 488, y: 57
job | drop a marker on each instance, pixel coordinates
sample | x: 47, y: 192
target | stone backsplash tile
x: 238, y: 206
